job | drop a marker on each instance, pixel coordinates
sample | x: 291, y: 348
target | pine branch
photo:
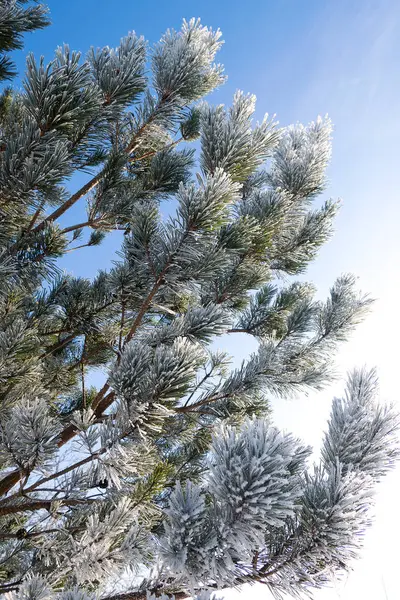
x: 257, y: 577
x: 154, y: 152
x: 34, y: 534
x: 85, y: 189
x: 204, y: 401
x: 142, y: 595
x: 10, y: 587
x: 100, y: 404
x: 89, y: 223
x: 78, y: 247
x: 226, y: 498
x: 145, y: 306
x: 57, y: 474
x: 90, y: 185
x: 35, y: 505
x: 68, y: 433
x: 254, y: 562
x: 35, y: 216
x: 83, y: 383
x: 121, y: 327
x: 198, y: 386
x: 59, y: 345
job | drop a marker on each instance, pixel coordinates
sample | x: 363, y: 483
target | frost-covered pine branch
x: 170, y: 475
x: 16, y: 18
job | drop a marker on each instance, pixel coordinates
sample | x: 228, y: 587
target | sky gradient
x: 301, y: 58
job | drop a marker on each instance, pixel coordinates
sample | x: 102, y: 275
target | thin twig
x: 206, y: 376
x: 153, y: 152
x: 78, y: 226
x: 85, y: 189
x: 35, y: 505
x: 206, y: 400
x: 83, y: 383
x: 59, y: 345
x: 78, y: 247
x: 35, y: 217
x: 121, y: 329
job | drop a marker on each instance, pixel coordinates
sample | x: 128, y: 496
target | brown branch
x: 85, y: 189
x: 104, y: 404
x: 144, y: 308
x: 68, y: 469
x: 132, y: 145
x: 35, y: 217
x: 181, y: 595
x: 54, y: 332
x: 121, y: 326
x: 78, y: 226
x: 71, y: 430
x: 100, y: 395
x: 143, y: 595
x: 31, y: 534
x: 153, y: 152
x: 10, y: 587
x: 83, y: 383
x: 207, y: 400
x: 40, y: 482
x: 9, y: 481
x: 78, y: 247
x: 101, y: 401
x: 59, y: 345
x: 34, y: 505
x: 206, y: 376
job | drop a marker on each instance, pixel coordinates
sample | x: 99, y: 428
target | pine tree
x: 172, y: 474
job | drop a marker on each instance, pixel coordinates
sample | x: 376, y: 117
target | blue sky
x: 301, y: 58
